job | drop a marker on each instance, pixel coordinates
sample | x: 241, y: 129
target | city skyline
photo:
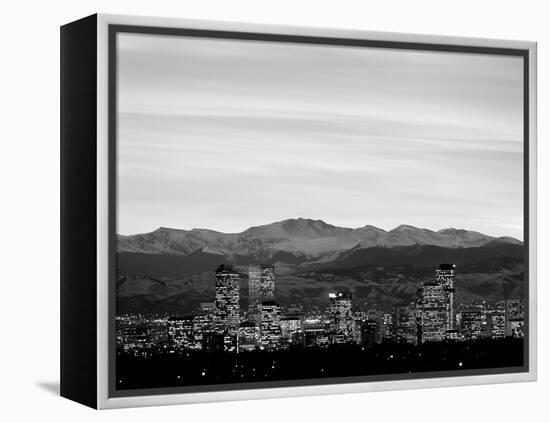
x: 433, y: 316
x: 227, y: 341
x: 213, y: 128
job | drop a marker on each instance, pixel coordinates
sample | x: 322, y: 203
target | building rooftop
x: 447, y: 266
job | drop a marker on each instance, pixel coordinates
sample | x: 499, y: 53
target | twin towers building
x: 262, y: 310
x: 261, y: 287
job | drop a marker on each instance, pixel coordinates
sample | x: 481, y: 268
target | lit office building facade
x: 316, y: 335
x: 203, y: 322
x: 180, y: 332
x: 388, y: 327
x: 432, y: 312
x: 292, y: 326
x: 134, y: 337
x: 436, y: 315
x: 445, y: 276
x: 261, y: 287
x: 227, y: 319
x: 270, y: 328
x: 473, y: 325
x: 248, y: 336
x: 405, y: 323
x: 289, y: 326
x: 341, y: 317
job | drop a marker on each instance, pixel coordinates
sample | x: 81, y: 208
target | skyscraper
x: 436, y: 306
x: 270, y: 329
x: 432, y: 312
x: 445, y: 275
x: 405, y: 323
x: 227, y: 305
x: 341, y: 317
x: 203, y: 322
x: 261, y: 287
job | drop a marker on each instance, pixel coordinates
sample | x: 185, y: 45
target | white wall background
x: 29, y: 166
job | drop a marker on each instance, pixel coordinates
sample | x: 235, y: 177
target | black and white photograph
x: 276, y: 211
x: 299, y: 212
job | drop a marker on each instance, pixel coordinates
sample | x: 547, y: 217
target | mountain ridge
x: 300, y: 236
x: 173, y: 270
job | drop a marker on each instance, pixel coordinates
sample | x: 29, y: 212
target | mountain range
x: 173, y: 269
x: 300, y: 237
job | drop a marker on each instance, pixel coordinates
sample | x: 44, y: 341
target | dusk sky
x: 226, y: 134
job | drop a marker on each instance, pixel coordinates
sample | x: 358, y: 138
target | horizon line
x: 326, y: 223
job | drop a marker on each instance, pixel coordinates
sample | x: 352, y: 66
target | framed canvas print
x: 254, y: 211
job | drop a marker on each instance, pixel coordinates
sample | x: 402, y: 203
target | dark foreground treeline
x: 200, y: 368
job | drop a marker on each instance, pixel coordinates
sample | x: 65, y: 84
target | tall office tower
x: 341, y: 317
x: 433, y: 312
x: 227, y: 305
x: 445, y: 276
x: 270, y: 328
x: 261, y: 287
x: 405, y: 323
x: 436, y: 306
x: 203, y: 323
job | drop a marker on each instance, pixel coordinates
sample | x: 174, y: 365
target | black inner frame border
x: 114, y: 29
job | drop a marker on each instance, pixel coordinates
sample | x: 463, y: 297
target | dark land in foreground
x: 192, y: 368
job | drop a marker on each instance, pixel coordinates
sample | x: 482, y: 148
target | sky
x: 228, y: 134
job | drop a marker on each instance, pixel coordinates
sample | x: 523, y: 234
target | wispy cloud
x: 229, y: 134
